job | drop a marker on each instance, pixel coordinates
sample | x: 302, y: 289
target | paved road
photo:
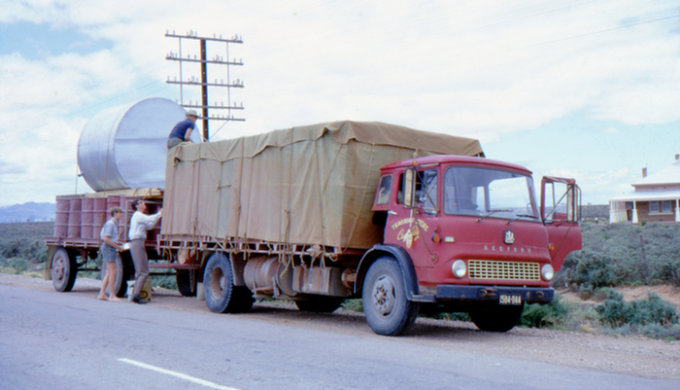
x: 66, y: 341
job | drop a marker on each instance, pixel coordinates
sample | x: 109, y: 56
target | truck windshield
x: 490, y: 193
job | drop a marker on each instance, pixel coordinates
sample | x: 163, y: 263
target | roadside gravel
x: 635, y: 355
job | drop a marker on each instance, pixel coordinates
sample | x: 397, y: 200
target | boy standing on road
x: 139, y: 225
x: 109, y: 251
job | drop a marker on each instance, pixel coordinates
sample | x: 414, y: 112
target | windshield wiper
x: 518, y: 216
x: 492, y: 212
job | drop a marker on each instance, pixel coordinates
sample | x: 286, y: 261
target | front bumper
x: 492, y: 293
x: 468, y: 294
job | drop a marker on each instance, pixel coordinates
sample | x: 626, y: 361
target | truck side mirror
x: 409, y: 187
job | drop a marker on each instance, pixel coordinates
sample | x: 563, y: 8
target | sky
x: 582, y: 89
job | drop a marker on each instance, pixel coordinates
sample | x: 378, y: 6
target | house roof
x: 668, y: 175
x: 646, y: 195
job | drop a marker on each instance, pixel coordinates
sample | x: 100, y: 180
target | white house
x: 655, y: 198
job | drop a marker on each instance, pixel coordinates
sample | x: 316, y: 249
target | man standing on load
x: 182, y: 131
x: 139, y: 225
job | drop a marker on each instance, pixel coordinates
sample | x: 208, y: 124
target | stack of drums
x: 99, y: 213
x: 61, y: 216
x: 87, y: 218
x: 75, y: 208
x: 114, y: 201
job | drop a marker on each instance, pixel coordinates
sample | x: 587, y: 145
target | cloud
x: 463, y: 68
x: 10, y: 169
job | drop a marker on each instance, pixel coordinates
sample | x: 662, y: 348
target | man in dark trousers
x: 182, y: 131
x: 139, y: 225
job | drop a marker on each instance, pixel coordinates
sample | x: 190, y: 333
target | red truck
x: 406, y: 220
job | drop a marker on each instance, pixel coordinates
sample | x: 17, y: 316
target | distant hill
x: 28, y: 212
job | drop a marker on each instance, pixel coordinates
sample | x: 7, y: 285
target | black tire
x: 242, y: 300
x: 498, y: 319
x: 63, y: 270
x: 319, y: 304
x: 388, y: 311
x: 120, y: 282
x: 185, y: 285
x: 219, y: 291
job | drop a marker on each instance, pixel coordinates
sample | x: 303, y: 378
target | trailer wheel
x: 388, y: 311
x: 63, y: 270
x: 219, y: 291
x: 120, y: 281
x: 498, y: 319
x: 317, y: 304
x: 185, y: 286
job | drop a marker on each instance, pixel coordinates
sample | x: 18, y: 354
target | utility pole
x: 204, y: 105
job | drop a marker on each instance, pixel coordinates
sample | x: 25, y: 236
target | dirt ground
x: 634, y: 355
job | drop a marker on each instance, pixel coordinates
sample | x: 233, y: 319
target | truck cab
x: 470, y: 235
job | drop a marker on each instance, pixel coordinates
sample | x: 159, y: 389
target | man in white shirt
x: 139, y: 225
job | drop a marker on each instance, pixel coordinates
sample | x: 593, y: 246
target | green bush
x: 636, y: 254
x: 545, y: 316
x: 353, y: 305
x: 614, y: 312
x: 592, y: 269
x: 650, y: 330
x: 165, y: 281
x: 667, y: 269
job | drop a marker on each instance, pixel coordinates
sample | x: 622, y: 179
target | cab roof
x: 457, y: 160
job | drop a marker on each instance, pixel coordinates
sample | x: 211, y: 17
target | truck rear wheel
x: 219, y: 291
x: 120, y: 281
x: 63, y: 270
x: 317, y: 304
x: 388, y: 311
x: 498, y: 319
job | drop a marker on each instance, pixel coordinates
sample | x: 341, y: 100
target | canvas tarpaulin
x: 304, y: 185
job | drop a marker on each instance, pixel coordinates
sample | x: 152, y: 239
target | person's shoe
x: 137, y: 299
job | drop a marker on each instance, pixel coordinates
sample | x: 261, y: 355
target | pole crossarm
x: 216, y: 62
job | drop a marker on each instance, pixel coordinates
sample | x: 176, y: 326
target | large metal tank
x: 125, y: 147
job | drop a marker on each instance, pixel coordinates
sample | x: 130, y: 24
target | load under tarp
x: 304, y: 185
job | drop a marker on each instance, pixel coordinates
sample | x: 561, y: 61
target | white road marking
x: 177, y: 374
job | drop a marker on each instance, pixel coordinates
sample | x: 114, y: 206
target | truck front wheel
x: 63, y: 270
x: 498, y: 319
x: 219, y: 291
x: 388, y: 311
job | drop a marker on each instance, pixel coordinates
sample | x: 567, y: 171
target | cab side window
x: 426, y: 190
x: 384, y: 189
x: 426, y: 195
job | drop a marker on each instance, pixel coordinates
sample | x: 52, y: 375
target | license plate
x: 505, y: 299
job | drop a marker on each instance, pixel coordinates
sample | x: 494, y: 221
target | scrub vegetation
x: 613, y: 256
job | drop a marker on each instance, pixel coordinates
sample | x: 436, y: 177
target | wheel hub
x: 383, y: 295
x: 58, y: 269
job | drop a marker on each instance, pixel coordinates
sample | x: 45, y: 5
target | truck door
x: 561, y: 211
x: 414, y: 219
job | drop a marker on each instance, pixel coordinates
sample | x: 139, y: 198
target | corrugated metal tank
x: 125, y: 147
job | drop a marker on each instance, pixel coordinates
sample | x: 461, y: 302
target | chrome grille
x: 503, y: 270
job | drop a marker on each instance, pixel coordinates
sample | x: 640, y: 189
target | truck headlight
x: 459, y: 268
x: 547, y: 272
